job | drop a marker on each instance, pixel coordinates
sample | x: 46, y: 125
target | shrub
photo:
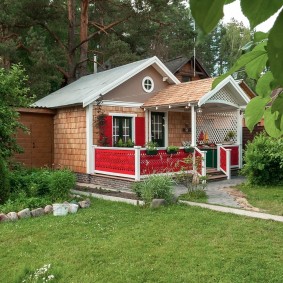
x: 264, y: 160
x: 155, y: 186
x: 4, y: 181
x: 61, y: 182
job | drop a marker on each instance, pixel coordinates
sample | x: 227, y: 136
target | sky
x: 233, y: 10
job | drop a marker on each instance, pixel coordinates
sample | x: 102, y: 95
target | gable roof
x: 198, y: 92
x: 88, y: 88
x: 174, y: 65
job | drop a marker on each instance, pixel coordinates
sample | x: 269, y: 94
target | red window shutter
x: 108, y: 129
x: 140, y: 131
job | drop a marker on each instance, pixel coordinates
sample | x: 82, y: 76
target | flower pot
x: 151, y: 152
x: 60, y: 209
x: 189, y: 150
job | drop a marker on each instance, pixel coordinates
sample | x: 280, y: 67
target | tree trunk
x: 71, y: 40
x: 82, y: 68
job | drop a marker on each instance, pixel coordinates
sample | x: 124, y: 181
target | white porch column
x: 240, y: 136
x: 147, y: 120
x: 89, y: 139
x: 193, y: 126
x: 137, y: 162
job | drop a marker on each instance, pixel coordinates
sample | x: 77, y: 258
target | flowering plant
x: 39, y: 275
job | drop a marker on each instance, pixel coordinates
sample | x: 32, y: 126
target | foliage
x: 150, y: 145
x: 262, y: 60
x: 13, y: 94
x: 128, y: 143
x: 198, y: 195
x: 41, y: 274
x: 155, y: 186
x: 61, y: 182
x: 4, y: 181
x: 267, y: 198
x: 264, y: 160
x: 172, y: 148
x: 132, y: 238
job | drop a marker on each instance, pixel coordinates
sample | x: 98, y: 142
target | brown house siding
x: 70, y: 139
x: 176, y: 123
x: 187, y: 70
x: 38, y: 143
x: 249, y: 136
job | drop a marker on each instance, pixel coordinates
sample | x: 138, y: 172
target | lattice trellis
x: 216, y: 125
x: 224, y: 95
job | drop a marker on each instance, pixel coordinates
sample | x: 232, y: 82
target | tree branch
x: 62, y: 71
x: 54, y: 35
x: 101, y: 28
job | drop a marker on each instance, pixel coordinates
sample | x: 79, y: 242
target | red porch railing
x: 163, y: 162
x: 135, y: 163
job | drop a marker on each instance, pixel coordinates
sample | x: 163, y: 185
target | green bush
x: 155, y: 186
x: 4, y: 181
x: 264, y: 161
x: 61, y: 182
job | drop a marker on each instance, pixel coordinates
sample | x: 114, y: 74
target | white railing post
x: 137, y: 162
x: 203, y: 164
x: 228, y: 163
x: 218, y: 156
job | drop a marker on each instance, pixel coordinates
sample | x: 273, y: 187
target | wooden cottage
x: 140, y: 102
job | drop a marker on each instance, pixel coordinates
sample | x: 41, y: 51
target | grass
x: 114, y: 242
x: 198, y: 195
x: 269, y: 199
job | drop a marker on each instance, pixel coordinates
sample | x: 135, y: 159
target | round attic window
x: 147, y: 84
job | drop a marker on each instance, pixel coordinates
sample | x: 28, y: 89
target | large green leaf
x: 255, y: 110
x: 275, y: 49
x: 277, y: 105
x: 263, y: 86
x: 259, y: 36
x: 207, y: 13
x: 257, y: 11
x: 240, y: 63
x: 255, y: 67
x: 270, y: 121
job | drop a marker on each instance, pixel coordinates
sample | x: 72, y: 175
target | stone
x: 13, y: 216
x: 25, y: 213
x: 48, y: 209
x: 37, y: 212
x: 84, y: 203
x: 157, y: 202
x: 3, y: 217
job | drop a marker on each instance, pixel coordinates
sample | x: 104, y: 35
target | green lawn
x: 269, y: 199
x: 112, y: 242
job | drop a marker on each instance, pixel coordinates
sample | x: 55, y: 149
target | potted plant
x: 187, y: 147
x: 229, y: 137
x: 151, y: 148
x: 172, y: 149
x: 130, y: 143
x: 120, y: 143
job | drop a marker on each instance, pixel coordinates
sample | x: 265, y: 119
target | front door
x: 157, y: 128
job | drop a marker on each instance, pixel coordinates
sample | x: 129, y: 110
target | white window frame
x: 147, y: 78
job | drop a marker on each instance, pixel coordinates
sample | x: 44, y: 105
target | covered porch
x: 190, y: 113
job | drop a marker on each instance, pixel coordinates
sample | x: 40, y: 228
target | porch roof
x: 180, y: 94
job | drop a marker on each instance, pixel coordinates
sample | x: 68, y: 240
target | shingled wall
x: 70, y: 139
x: 177, y: 121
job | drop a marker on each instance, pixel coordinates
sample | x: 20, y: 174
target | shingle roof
x: 180, y: 94
x: 88, y: 88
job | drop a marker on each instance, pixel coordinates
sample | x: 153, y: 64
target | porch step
x: 214, y: 175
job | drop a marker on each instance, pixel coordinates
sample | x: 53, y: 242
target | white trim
x: 157, y: 64
x: 166, y: 130
x: 193, y: 126
x: 146, y: 125
x: 240, y: 137
x: 123, y: 115
x: 114, y: 174
x: 121, y: 103
x: 89, y: 139
x: 152, y: 84
x: 137, y: 163
x: 222, y: 102
x: 222, y: 84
